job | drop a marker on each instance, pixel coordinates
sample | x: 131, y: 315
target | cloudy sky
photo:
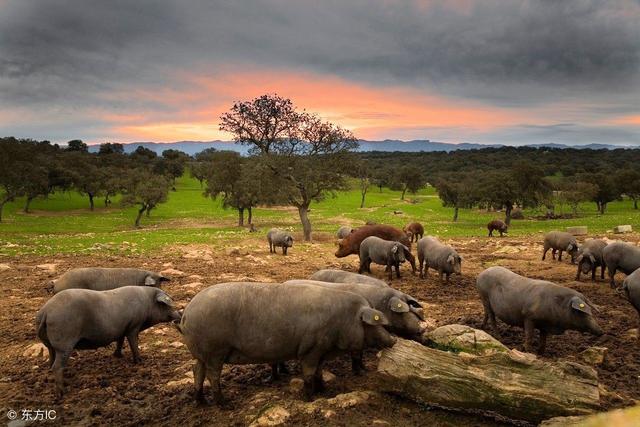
x: 487, y: 71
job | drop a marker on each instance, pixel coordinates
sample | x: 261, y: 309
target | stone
x: 272, y: 416
x: 49, y: 268
x: 193, y: 285
x: 176, y: 344
x: 462, y: 338
x: 179, y: 383
x: 628, y: 417
x: 632, y: 334
x: 35, y: 351
x: 594, y: 355
x: 327, y: 376
x: 580, y: 230
x: 622, y: 229
x: 172, y: 272
x: 380, y: 423
x: 329, y: 413
x: 4, y: 267
x: 349, y: 400
x: 195, y: 277
x: 296, y: 385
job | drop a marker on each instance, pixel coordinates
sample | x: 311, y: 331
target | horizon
x: 461, y: 72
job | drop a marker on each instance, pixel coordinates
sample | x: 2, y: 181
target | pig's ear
x: 163, y: 298
x: 339, y: 242
x: 413, y: 303
x: 570, y: 247
x: 450, y: 259
x: 578, y: 304
x: 394, y: 249
x: 592, y: 258
x: 150, y: 281
x: 373, y: 317
x: 579, y: 257
x: 398, y: 306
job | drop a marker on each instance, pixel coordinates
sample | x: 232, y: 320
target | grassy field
x: 63, y: 223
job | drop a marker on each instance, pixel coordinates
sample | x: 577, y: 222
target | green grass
x: 63, y: 223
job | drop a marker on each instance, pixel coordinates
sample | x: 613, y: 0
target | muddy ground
x: 107, y: 390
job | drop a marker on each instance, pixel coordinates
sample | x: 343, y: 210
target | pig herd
x: 329, y: 314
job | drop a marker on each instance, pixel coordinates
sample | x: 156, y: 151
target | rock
x: 594, y: 355
x: 49, y: 268
x: 380, y: 423
x: 193, y: 285
x: 578, y: 230
x: 168, y: 265
x: 329, y: 413
x: 36, y: 350
x: 632, y: 334
x: 327, y: 376
x: 462, y: 338
x: 195, y: 277
x: 4, y: 267
x: 272, y: 416
x: 176, y: 344
x: 349, y: 400
x: 511, y: 384
x: 172, y: 272
x: 296, y: 385
x: 628, y: 417
x: 179, y: 383
x: 622, y: 229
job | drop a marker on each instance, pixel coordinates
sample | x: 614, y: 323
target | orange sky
x: 370, y: 112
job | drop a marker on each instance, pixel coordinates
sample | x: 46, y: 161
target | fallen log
x: 509, y: 384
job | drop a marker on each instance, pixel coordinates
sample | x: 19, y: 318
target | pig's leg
x: 543, y: 342
x: 441, y: 276
x: 560, y: 255
x: 58, y: 369
x: 398, y: 270
x: 412, y: 261
x: 593, y: 273
x: 357, y: 363
x: 602, y: 268
x: 198, y: 380
x: 579, y: 271
x: 52, y: 355
x: 214, y: 369
x: 318, y: 382
x: 420, y: 263
x: 529, y: 330
x: 274, y: 372
x: 490, y: 233
x: 132, y: 337
x: 447, y: 274
x: 612, y: 280
x: 118, y: 351
x: 544, y: 252
x: 309, y: 365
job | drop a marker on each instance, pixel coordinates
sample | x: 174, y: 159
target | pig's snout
x: 176, y: 315
x: 597, y: 330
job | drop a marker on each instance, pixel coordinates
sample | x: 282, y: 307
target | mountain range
x: 193, y: 147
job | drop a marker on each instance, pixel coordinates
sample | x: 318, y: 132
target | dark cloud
x: 507, y: 53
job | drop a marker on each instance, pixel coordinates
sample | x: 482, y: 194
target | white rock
x: 4, y: 267
x: 172, y: 272
x: 49, y: 268
x: 179, y: 383
x: 274, y: 416
x: 36, y: 350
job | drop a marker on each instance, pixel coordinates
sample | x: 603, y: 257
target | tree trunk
x: 603, y: 207
x: 140, y: 212
x: 250, y: 215
x: 303, y: 210
x: 90, y: 201
x: 106, y: 201
x: 635, y: 203
x: 27, y: 204
x: 364, y: 194
x: 455, y: 214
x: 2, y: 207
x: 512, y: 384
x: 240, y: 217
x: 404, y: 190
x: 507, y: 213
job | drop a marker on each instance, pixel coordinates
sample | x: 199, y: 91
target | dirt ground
x: 107, y: 390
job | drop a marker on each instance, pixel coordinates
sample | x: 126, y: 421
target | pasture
x: 200, y: 243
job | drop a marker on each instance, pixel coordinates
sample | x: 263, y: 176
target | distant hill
x: 193, y: 147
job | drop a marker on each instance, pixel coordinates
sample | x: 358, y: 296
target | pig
x: 432, y: 253
x: 560, y: 241
x: 249, y: 322
x: 277, y: 238
x: 415, y: 230
x: 620, y: 256
x: 383, y: 252
x: 590, y: 257
x: 351, y: 244
x: 631, y: 287
x: 102, y: 279
x: 343, y: 232
x: 533, y: 304
x: 405, y: 314
x: 339, y: 276
x: 499, y: 225
x: 87, y: 319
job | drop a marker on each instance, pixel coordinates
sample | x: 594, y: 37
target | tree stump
x: 510, y: 384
